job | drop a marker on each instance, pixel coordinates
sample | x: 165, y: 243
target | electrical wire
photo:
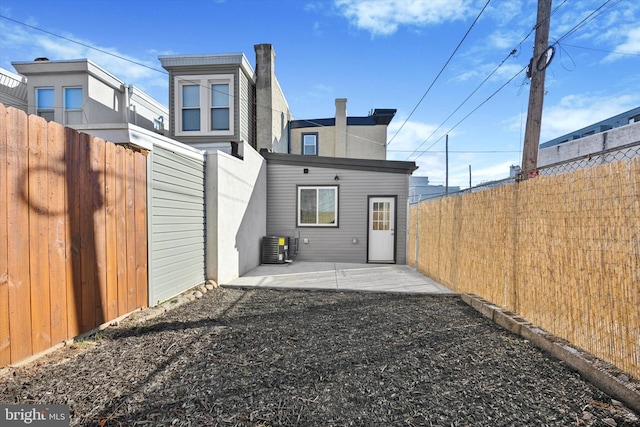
x: 440, y: 72
x: 195, y: 82
x: 85, y: 45
x: 589, y: 18
x: 512, y: 53
x: 467, y: 116
x: 585, y: 21
x: 599, y: 50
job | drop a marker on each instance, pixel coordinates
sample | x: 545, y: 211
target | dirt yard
x: 293, y: 358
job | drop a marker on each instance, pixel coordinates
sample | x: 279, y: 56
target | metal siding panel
x: 177, y: 171
x: 167, y: 191
x: 177, y: 223
x: 334, y: 244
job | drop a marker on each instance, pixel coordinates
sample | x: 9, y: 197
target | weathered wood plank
x: 5, y: 336
x: 97, y: 174
x: 38, y: 200
x: 130, y: 224
x: 110, y: 231
x: 18, y: 235
x: 121, y: 229
x: 141, y: 229
x: 57, y: 232
x: 72, y: 232
x: 87, y: 241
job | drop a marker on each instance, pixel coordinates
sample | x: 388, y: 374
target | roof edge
x: 388, y: 166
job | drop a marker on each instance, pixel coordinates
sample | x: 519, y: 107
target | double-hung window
x: 310, y: 144
x: 45, y: 103
x: 220, y: 106
x: 73, y: 105
x: 204, y: 105
x: 318, y: 206
x: 190, y: 107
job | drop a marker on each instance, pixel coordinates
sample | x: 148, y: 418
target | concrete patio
x: 304, y: 275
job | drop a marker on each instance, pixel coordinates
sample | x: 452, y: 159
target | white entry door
x: 382, y: 224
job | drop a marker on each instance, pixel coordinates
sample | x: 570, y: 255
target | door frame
x: 395, y: 226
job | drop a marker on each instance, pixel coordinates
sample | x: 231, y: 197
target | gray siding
x: 334, y: 244
x: 246, y: 110
x: 177, y: 224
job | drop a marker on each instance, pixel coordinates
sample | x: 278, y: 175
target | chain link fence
x: 623, y: 152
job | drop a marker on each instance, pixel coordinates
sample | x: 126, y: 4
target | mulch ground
x: 293, y: 358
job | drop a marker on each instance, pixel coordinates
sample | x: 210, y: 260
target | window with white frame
x: 310, y: 144
x: 190, y: 108
x: 45, y: 103
x: 318, y: 206
x: 203, y: 105
x: 220, y: 101
x: 73, y: 101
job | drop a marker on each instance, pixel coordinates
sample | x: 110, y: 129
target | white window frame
x: 315, y: 143
x: 204, y: 82
x: 51, y: 110
x: 335, y: 189
x: 71, y: 110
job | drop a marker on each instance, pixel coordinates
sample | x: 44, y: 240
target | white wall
x: 589, y: 144
x: 236, y: 213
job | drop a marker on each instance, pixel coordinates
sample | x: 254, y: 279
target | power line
x: 589, y: 18
x: 512, y: 53
x: 601, y: 50
x: 85, y: 45
x: 440, y: 73
x: 469, y: 114
x: 195, y: 82
x: 585, y: 21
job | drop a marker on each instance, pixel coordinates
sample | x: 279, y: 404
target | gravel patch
x: 293, y: 358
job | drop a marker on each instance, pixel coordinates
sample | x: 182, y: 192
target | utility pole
x: 542, y: 55
x: 469, y: 176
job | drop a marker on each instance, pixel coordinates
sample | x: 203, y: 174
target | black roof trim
x: 379, y: 116
x: 388, y: 166
x: 295, y: 124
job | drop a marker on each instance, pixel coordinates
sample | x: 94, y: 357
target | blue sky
x: 375, y: 53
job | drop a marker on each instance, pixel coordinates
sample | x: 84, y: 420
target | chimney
x: 265, y: 75
x: 341, y: 128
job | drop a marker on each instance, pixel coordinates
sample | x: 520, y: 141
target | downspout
x: 129, y: 96
x: 126, y: 104
x: 289, y: 136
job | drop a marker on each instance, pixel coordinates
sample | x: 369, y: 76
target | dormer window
x: 203, y: 105
x: 190, y: 107
x: 220, y: 106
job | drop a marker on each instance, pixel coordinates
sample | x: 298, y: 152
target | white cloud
x: 384, y: 17
x: 23, y: 45
x: 411, y: 137
x: 480, y: 72
x: 630, y: 46
x: 575, y: 112
x: 431, y: 159
x: 504, y: 11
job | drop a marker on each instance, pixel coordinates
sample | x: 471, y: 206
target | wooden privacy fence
x: 73, y: 238
x: 563, y: 251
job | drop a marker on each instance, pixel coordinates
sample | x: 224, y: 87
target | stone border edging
x: 559, y: 349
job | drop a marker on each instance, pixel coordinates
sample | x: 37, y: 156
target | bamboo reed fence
x: 563, y: 251
x: 73, y: 242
